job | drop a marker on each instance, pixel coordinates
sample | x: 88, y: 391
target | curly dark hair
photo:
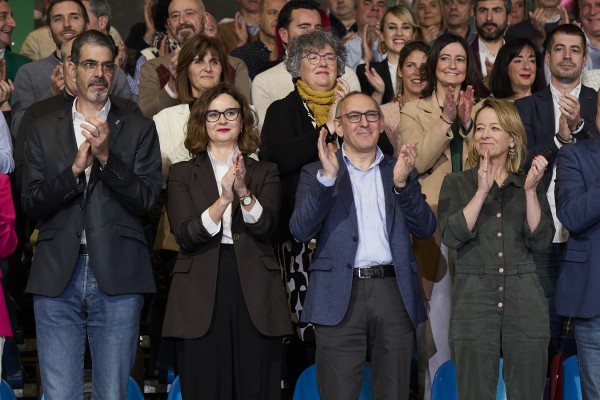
x: 197, y: 136
x: 314, y: 41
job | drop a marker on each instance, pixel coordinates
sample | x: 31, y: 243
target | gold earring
x: 512, y: 154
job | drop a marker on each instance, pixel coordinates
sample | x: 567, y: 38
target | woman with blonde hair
x: 379, y: 78
x: 494, y: 216
x: 429, y: 17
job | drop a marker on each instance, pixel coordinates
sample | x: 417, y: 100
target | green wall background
x: 23, y: 12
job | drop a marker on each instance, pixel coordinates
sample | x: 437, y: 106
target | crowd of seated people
x: 302, y: 183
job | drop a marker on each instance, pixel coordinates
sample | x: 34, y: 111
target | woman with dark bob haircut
x: 227, y: 306
x: 514, y: 74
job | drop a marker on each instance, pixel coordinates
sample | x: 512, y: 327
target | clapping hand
x: 239, y: 185
x: 535, y: 173
x: 404, y: 164
x: 465, y: 106
x: 327, y: 156
x: 485, y: 175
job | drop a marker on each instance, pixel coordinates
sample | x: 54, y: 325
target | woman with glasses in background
x: 227, y: 306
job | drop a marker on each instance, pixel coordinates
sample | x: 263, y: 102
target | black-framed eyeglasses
x: 92, y: 66
x: 231, y: 114
x: 315, y: 58
x: 355, y: 116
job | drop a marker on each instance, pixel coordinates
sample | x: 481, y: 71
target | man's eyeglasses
x: 92, y: 66
x: 315, y: 58
x: 231, y: 114
x: 355, y: 116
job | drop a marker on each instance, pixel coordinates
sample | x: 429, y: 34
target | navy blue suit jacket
x: 537, y: 114
x: 577, y: 193
x: 329, y: 215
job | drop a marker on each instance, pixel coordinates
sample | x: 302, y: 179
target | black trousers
x: 233, y: 360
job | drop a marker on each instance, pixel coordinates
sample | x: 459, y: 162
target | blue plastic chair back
x: 444, y: 383
x: 133, y: 390
x: 306, y: 385
x: 6, y: 392
x: 571, y: 381
x: 175, y: 391
x: 501, y: 389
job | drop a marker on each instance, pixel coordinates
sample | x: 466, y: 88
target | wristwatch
x: 247, y: 199
x: 578, y: 126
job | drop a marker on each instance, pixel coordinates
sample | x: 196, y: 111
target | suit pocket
x: 321, y: 264
x: 182, y: 266
x: 271, y: 263
x: 575, y: 251
x: 46, y: 235
x: 129, y: 232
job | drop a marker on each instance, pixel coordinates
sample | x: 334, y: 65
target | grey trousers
x: 376, y: 322
x: 499, y: 311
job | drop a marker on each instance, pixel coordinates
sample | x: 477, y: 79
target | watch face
x: 247, y: 200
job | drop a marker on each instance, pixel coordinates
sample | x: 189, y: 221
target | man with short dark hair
x: 561, y: 114
x: 342, y: 17
x: 491, y: 21
x: 259, y: 54
x: 91, y: 171
x: 457, y: 17
x: 43, y: 78
x: 364, y: 295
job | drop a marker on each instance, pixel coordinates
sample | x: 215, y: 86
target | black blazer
x: 289, y: 139
x: 109, y: 207
x: 192, y: 188
x: 55, y: 103
x: 382, y: 68
x: 537, y: 114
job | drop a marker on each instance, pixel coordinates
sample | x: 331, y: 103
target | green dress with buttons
x: 498, y: 306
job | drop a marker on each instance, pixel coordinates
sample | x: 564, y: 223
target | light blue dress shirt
x: 369, y: 201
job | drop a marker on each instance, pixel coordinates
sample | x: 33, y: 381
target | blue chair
x: 133, y: 391
x: 444, y: 383
x: 306, y: 385
x: 175, y: 391
x: 571, y: 381
x: 6, y: 392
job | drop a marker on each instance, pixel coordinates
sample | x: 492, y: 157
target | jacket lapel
x: 344, y: 190
x: 386, y: 168
x: 66, y: 134
x: 116, y: 120
x: 204, y: 174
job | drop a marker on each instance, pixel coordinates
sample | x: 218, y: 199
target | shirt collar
x: 378, y: 157
x: 229, y: 162
x: 556, y: 94
x: 103, y: 113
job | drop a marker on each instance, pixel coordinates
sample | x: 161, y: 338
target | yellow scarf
x: 318, y: 102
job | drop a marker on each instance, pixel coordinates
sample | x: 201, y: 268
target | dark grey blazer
x: 383, y: 69
x: 109, y: 207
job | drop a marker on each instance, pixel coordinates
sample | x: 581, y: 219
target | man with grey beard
x: 91, y: 171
